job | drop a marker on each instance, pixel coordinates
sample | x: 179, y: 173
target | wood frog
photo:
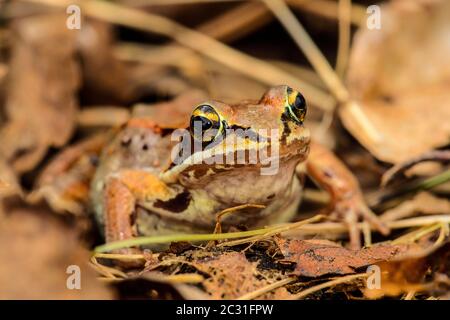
x: 143, y: 187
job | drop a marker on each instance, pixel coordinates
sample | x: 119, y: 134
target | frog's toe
x: 375, y: 221
x: 351, y: 211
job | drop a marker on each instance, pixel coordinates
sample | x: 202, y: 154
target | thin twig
x: 335, y: 227
x: 227, y: 211
x: 329, y: 9
x: 269, y: 231
x: 139, y: 241
x: 266, y: 289
x: 288, y: 228
x: 344, y: 37
x: 213, y: 49
x: 410, y: 295
x: 323, y: 68
x: 444, y: 231
x: 309, y: 48
x: 328, y: 284
x: 185, y: 278
x: 114, y: 256
x: 386, y: 195
x: 273, y: 231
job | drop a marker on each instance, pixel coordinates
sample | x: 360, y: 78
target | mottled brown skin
x: 138, y: 191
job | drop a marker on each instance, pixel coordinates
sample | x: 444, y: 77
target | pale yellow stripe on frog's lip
x: 170, y: 176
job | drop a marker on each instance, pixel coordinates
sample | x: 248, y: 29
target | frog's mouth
x: 265, y: 154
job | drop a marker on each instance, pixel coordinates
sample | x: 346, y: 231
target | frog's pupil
x: 300, y: 102
x: 206, y: 123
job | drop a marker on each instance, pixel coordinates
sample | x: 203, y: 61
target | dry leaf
x: 228, y: 274
x: 400, y: 75
x: 64, y: 183
x: 232, y: 275
x: 404, y: 275
x: 318, y: 258
x: 35, y: 251
x: 43, y: 80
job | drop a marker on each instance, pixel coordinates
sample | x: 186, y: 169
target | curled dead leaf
x: 232, y: 275
x: 317, y: 258
x: 35, y: 251
x: 409, y: 275
x: 399, y: 76
x: 40, y: 104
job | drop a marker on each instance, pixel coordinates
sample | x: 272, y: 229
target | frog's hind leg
x: 64, y: 183
x: 347, y: 201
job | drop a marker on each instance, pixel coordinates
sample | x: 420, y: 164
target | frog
x: 147, y: 183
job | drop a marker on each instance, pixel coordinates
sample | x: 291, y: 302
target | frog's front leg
x: 347, y: 201
x: 121, y: 194
x: 119, y: 209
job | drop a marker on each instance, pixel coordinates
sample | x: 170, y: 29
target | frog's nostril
x: 126, y: 140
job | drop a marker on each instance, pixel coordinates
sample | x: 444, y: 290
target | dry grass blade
x: 114, y: 256
x: 223, y: 213
x: 107, y: 272
x: 184, y: 278
x: 213, y: 49
x: 265, y: 232
x: 298, y: 228
x: 416, y: 234
x: 329, y: 9
x: 273, y: 231
x: 323, y: 68
x: 139, y: 3
x: 443, y: 234
x: 266, y: 289
x: 394, y: 171
x: 309, y: 48
x: 410, y: 295
x: 237, y: 22
x: 334, y: 227
x: 307, y: 292
x: 345, y: 7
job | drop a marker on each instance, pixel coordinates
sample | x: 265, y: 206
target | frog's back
x: 139, y: 145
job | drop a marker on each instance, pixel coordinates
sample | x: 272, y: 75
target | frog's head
x: 252, y: 143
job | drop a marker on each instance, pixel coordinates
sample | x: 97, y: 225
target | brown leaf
x: 43, y: 79
x: 404, y: 275
x: 399, y: 75
x: 423, y: 202
x: 319, y: 258
x: 64, y: 182
x: 232, y: 275
x: 35, y: 251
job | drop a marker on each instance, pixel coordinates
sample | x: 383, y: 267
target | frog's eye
x: 295, y: 106
x: 205, y: 124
